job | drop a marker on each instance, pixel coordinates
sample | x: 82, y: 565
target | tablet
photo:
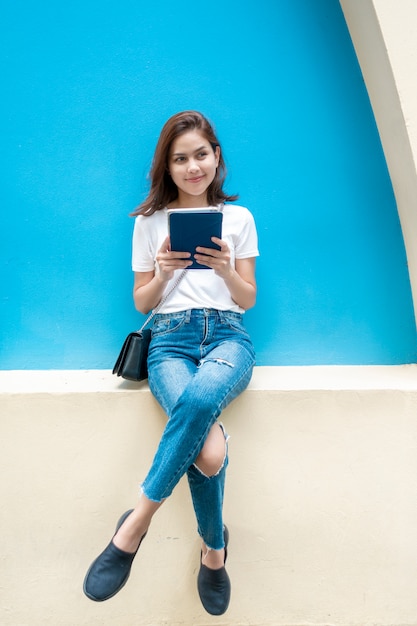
x: 189, y: 228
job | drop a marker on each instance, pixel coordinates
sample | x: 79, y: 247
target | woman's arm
x: 147, y: 291
x: 242, y: 284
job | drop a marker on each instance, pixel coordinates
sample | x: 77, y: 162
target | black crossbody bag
x: 132, y: 362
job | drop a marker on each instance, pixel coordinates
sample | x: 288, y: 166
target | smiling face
x: 192, y: 164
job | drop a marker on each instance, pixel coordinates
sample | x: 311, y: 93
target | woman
x: 200, y: 356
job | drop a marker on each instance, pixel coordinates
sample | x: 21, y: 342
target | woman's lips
x: 195, y: 180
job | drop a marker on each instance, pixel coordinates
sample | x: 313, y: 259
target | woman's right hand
x: 169, y: 261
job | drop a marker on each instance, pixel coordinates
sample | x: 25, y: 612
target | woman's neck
x: 189, y: 202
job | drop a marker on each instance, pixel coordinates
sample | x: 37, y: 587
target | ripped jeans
x: 199, y: 361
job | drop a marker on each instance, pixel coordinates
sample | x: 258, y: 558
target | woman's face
x: 192, y: 164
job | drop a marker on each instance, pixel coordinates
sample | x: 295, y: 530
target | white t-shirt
x: 199, y: 289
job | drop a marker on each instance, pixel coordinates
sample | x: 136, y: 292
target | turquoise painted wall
x: 88, y: 87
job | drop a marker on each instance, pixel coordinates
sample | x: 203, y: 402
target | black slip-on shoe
x: 110, y: 570
x: 214, y: 586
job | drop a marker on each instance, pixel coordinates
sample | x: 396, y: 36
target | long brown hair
x: 163, y: 190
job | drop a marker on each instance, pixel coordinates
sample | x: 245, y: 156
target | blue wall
x: 89, y: 85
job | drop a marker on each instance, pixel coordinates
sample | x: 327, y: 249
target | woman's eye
x: 201, y: 155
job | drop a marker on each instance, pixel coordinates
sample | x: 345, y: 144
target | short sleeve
x: 143, y: 252
x: 246, y: 245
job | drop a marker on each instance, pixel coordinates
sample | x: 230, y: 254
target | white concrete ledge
x: 293, y: 378
x: 321, y: 500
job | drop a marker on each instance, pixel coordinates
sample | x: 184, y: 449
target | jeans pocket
x: 167, y: 323
x: 233, y: 320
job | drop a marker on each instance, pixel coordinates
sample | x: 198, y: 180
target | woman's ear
x: 217, y: 154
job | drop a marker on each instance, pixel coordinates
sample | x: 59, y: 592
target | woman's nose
x: 192, y: 165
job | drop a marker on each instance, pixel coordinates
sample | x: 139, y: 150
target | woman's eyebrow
x: 194, y: 151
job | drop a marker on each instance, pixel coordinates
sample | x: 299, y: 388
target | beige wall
x: 321, y: 500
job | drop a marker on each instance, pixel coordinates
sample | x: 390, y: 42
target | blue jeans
x: 199, y: 361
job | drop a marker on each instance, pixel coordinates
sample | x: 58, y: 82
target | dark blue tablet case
x: 189, y: 229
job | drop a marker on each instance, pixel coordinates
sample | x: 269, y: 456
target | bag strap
x: 162, y: 301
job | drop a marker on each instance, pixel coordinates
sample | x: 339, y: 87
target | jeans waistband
x: 201, y: 313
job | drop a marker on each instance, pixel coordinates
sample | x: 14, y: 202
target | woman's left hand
x: 218, y: 260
